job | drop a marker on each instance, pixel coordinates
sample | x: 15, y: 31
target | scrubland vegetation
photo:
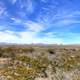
x: 39, y: 63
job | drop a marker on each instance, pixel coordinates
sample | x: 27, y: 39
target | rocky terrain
x: 40, y: 62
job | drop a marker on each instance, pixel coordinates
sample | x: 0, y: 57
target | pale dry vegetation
x: 40, y: 63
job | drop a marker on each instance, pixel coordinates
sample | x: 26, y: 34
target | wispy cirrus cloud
x: 65, y: 22
x: 39, y: 21
x: 13, y: 1
x: 16, y: 20
x: 29, y: 8
x: 2, y: 10
x: 34, y: 26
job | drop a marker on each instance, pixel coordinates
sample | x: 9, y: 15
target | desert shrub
x: 25, y: 50
x: 25, y: 59
x: 29, y: 67
x: 20, y: 73
x: 39, y: 64
x: 1, y: 52
x: 51, y: 51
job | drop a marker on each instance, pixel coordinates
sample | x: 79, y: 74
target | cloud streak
x: 34, y: 26
x: 40, y: 21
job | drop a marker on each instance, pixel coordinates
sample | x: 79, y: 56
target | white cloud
x: 16, y: 20
x: 34, y: 26
x: 52, y: 38
x: 60, y: 19
x: 31, y: 37
x: 65, y: 22
x: 11, y: 37
x: 49, y: 34
x: 13, y: 1
x: 2, y: 9
x: 26, y: 37
x: 30, y: 6
x: 65, y: 19
x: 8, y: 37
x: 49, y: 40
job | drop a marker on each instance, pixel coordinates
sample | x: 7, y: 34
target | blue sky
x: 40, y: 21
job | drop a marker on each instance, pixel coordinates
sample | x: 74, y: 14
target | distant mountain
x: 5, y: 43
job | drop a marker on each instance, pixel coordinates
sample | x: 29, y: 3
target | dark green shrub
x: 51, y: 51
